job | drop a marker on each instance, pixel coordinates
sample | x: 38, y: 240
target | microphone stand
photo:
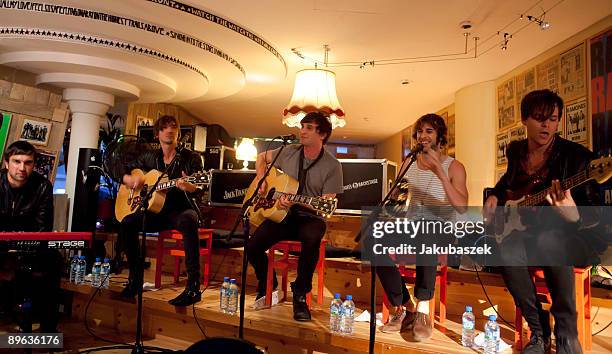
x: 370, y: 221
x: 244, y: 217
x: 146, y: 193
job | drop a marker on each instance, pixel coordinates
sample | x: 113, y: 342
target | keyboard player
x: 26, y: 204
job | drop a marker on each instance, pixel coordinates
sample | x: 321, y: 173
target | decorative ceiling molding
x: 18, y: 32
x: 205, y: 15
x: 31, y: 6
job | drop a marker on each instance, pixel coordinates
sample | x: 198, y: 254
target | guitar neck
x: 296, y: 198
x: 170, y: 184
x: 566, y: 184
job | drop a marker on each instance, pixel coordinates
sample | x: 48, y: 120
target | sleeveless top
x: 425, y: 193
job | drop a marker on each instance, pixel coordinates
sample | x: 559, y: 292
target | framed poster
x: 406, y: 141
x: 506, y: 105
x: 450, y: 146
x: 518, y: 133
x: 35, y: 132
x: 142, y: 121
x: 575, y: 121
x: 502, y: 144
x: 600, y: 48
x: 46, y: 163
x: 547, y: 75
x: 573, y: 73
x: 525, y: 83
x: 5, y: 125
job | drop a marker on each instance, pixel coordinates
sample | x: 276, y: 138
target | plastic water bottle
x: 491, y: 343
x: 347, y: 316
x: 232, y: 294
x: 105, y: 273
x: 467, y: 329
x: 95, y: 273
x: 335, y: 312
x: 74, y: 264
x: 223, y: 295
x: 80, y: 275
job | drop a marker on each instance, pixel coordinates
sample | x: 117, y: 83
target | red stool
x: 583, y: 306
x: 409, y: 275
x: 285, y: 261
x: 177, y: 250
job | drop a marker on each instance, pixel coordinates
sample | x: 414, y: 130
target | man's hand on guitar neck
x: 489, y: 209
x: 184, y: 185
x: 563, y: 202
x: 284, y: 203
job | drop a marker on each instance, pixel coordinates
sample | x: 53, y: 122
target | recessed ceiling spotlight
x: 405, y: 82
x: 465, y: 25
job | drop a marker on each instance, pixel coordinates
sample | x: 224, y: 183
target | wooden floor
x: 272, y: 329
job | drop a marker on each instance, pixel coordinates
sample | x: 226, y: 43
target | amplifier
x: 366, y: 182
x: 228, y: 187
x: 220, y: 157
x: 197, y: 142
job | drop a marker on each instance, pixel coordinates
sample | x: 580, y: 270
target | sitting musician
x: 544, y: 159
x: 321, y: 175
x: 438, y: 181
x: 26, y: 204
x: 178, y: 213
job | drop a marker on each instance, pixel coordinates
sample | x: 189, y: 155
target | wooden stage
x: 275, y: 330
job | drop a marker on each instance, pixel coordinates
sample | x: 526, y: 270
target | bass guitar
x: 280, y: 184
x: 508, y: 218
x: 128, y: 199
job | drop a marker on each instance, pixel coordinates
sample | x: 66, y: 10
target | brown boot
x: 423, y: 327
x: 394, y: 325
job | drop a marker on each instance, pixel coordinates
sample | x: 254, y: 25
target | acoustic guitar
x: 508, y: 218
x: 128, y: 199
x: 281, y: 184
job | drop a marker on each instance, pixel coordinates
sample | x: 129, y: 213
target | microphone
x: 181, y: 144
x: 417, y: 149
x: 287, y: 137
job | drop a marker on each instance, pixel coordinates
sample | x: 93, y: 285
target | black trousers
x: 185, y: 221
x: 395, y: 286
x: 550, y: 250
x: 297, y: 226
x: 37, y: 278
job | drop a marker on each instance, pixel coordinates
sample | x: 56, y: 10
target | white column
x: 87, y: 108
x: 475, y: 117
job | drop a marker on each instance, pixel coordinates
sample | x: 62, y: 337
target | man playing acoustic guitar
x: 178, y: 212
x: 321, y: 175
x: 551, y: 239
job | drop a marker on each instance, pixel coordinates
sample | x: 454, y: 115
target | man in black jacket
x: 26, y: 204
x: 178, y: 211
x: 552, y: 239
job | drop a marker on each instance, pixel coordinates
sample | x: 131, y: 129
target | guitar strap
x: 302, y: 172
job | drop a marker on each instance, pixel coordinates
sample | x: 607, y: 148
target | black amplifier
x: 366, y: 182
x: 228, y: 187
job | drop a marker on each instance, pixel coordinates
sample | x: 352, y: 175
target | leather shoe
x: 537, y: 345
x: 568, y: 345
x: 188, y: 297
x: 130, y: 291
x: 422, y: 328
x: 300, y: 308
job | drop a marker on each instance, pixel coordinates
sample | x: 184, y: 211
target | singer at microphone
x: 287, y: 137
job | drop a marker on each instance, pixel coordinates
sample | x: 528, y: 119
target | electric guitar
x: 128, y: 199
x: 281, y: 184
x: 508, y: 219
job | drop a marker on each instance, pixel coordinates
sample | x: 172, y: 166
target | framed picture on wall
x: 5, y: 125
x: 35, y: 132
x: 575, y: 121
x: 142, y: 121
x: 46, y: 163
x: 406, y: 141
x: 506, y: 105
x: 502, y: 144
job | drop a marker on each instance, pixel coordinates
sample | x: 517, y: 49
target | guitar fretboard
x: 300, y: 199
x: 566, y: 184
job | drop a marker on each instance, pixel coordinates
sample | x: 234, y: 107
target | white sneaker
x: 260, y: 303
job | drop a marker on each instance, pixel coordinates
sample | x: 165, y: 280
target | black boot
x: 537, y: 345
x: 568, y: 345
x: 189, y: 296
x: 301, y: 312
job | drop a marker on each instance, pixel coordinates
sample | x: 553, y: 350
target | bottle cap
x: 225, y: 279
x: 492, y: 317
x: 336, y: 295
x: 106, y: 260
x: 349, y: 297
x: 233, y: 281
x: 82, y: 257
x: 468, y: 308
x: 97, y: 259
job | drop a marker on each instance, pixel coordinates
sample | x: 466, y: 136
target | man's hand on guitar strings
x: 284, y: 203
x: 563, y: 202
x: 134, y: 181
x: 489, y: 209
x: 262, y: 188
x: 184, y: 185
